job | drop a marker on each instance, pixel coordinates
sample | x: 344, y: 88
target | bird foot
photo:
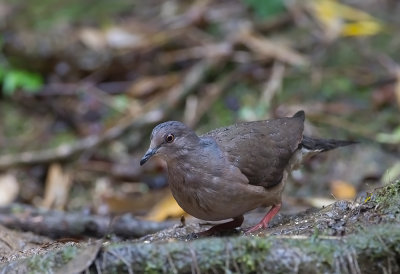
x: 264, y: 222
x: 236, y: 222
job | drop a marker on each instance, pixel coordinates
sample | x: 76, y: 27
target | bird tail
x: 319, y: 145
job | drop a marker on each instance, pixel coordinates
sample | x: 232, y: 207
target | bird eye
x: 169, y: 138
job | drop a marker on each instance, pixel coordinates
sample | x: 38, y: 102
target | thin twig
x: 274, y: 83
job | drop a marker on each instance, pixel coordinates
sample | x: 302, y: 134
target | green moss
x: 248, y: 261
x: 377, y: 242
x: 321, y: 249
x: 68, y: 253
x: 52, y: 259
x: 388, y: 197
x: 152, y: 268
x: 40, y: 264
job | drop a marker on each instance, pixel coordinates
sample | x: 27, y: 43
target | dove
x: 232, y: 170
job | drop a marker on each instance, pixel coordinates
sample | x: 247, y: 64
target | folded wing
x: 261, y: 149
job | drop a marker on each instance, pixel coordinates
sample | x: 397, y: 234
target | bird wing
x: 261, y: 149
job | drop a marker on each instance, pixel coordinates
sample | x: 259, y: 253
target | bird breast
x: 213, y: 194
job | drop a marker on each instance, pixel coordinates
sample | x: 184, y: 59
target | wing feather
x: 261, y: 149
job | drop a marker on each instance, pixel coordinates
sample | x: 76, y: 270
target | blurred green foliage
x: 14, y: 122
x: 62, y: 137
x: 390, y: 138
x: 15, y: 127
x: 337, y: 85
x: 266, y: 8
x: 12, y: 79
x: 120, y: 102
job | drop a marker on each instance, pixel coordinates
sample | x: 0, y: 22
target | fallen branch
x: 58, y: 224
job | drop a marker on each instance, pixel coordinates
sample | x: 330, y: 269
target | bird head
x: 168, y: 140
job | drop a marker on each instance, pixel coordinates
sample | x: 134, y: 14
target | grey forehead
x: 167, y: 126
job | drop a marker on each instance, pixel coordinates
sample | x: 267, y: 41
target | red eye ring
x: 169, y: 138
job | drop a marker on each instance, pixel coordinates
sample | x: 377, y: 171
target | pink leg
x: 236, y: 222
x: 264, y: 222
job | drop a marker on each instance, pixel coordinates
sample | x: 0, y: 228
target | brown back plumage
x: 261, y: 149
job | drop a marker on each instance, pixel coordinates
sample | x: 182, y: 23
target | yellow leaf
x: 341, y: 19
x: 361, y: 28
x: 342, y: 190
x: 166, y: 207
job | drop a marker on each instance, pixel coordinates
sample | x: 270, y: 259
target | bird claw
x: 192, y: 236
x: 254, y: 229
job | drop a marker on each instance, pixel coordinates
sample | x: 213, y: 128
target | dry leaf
x: 119, y: 38
x: 166, y: 207
x: 319, y: 202
x: 58, y: 184
x: 81, y: 261
x: 93, y: 38
x: 9, y: 189
x: 342, y: 190
x: 118, y: 202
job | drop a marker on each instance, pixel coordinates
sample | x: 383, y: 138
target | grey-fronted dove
x: 229, y: 171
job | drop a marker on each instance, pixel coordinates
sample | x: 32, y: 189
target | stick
x: 59, y: 224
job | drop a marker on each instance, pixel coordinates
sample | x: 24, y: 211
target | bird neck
x: 178, y: 170
x: 182, y: 157
x: 192, y: 159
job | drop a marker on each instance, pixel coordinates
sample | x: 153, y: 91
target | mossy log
x: 375, y: 250
x: 371, y: 251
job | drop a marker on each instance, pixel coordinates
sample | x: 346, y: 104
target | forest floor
x: 83, y: 85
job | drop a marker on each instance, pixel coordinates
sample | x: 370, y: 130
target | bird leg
x: 236, y: 222
x: 264, y: 222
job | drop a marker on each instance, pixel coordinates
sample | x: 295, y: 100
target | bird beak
x: 148, y: 155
